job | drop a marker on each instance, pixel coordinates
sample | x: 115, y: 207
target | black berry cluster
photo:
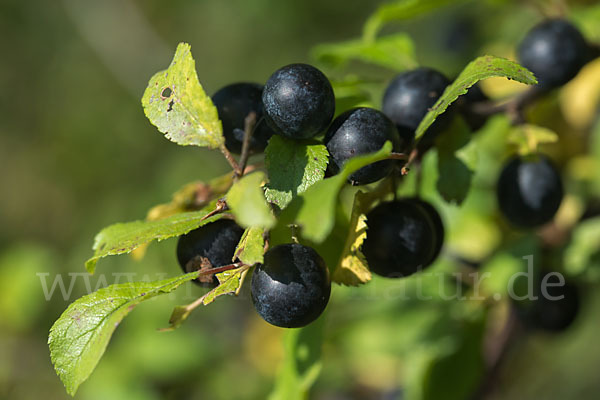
x: 291, y: 288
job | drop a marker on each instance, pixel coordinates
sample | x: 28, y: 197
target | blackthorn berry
x: 234, y: 103
x: 292, y: 287
x: 361, y: 131
x: 214, y: 242
x: 298, y: 101
x: 410, y: 95
x: 529, y: 191
x: 554, y: 51
x: 553, y: 311
x: 401, y: 239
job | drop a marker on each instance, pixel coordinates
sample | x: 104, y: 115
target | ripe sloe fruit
x: 234, y: 103
x: 298, y: 101
x: 529, y: 191
x: 361, y: 131
x: 554, y: 51
x: 551, y: 315
x: 401, y: 239
x: 292, y: 287
x: 410, y: 95
x: 438, y: 225
x: 215, y: 242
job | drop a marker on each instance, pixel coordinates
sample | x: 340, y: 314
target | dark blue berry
x: 298, y: 101
x: 214, y: 242
x: 361, y: 131
x: 529, y: 191
x: 234, y: 103
x: 553, y: 311
x: 554, y: 51
x: 401, y: 239
x: 292, y: 287
x: 409, y: 97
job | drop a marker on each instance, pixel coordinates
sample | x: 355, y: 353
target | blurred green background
x: 77, y: 154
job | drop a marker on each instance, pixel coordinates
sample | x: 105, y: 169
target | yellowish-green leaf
x: 247, y: 202
x: 352, y: 268
x: 251, y: 248
x: 528, y: 137
x: 177, y: 105
x: 230, y: 282
x: 124, y: 237
x: 79, y: 337
x: 481, y: 68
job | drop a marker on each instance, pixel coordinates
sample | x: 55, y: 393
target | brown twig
x: 398, y: 156
x: 411, y: 158
x: 230, y: 160
x: 497, y: 354
x: 220, y: 207
x: 250, y: 123
x: 514, y: 108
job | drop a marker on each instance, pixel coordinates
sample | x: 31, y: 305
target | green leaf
x: 251, y: 248
x: 528, y: 137
x: 292, y: 166
x: 583, y: 251
x: 396, y: 52
x: 229, y: 282
x: 177, y: 105
x: 79, y: 337
x: 191, y: 197
x: 247, y: 202
x: 351, y: 91
x: 124, y: 237
x: 352, y: 267
x: 302, y: 362
x: 457, y: 161
x: 400, y: 10
x: 478, y: 69
x: 314, y: 210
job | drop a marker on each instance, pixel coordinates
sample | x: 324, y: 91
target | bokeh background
x: 77, y: 154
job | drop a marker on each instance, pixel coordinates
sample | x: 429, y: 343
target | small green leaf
x: 124, y: 237
x: 302, y: 362
x: 400, y: 10
x: 192, y: 197
x: 528, y: 137
x: 396, y: 52
x: 251, y: 248
x: 292, y: 166
x: 229, y: 282
x: 351, y: 91
x: 177, y: 105
x: 583, y: 251
x: 314, y: 210
x: 457, y: 161
x: 247, y: 202
x: 478, y: 69
x: 352, y: 267
x: 79, y: 337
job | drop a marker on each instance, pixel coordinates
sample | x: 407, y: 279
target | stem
x: 514, y: 108
x: 230, y: 160
x: 411, y: 158
x: 249, y: 126
x: 220, y: 207
x: 497, y: 355
x: 398, y: 156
